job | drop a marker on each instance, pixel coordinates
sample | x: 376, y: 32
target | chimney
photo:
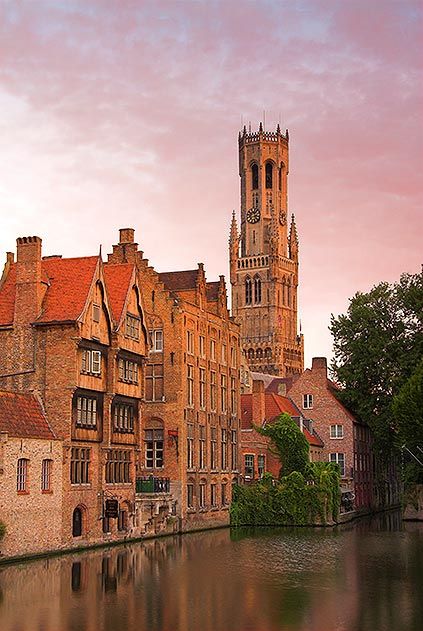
x: 319, y: 364
x: 259, y: 402
x: 29, y: 291
x: 126, y: 235
x: 126, y: 250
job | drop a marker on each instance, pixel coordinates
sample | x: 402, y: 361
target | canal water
x: 363, y: 576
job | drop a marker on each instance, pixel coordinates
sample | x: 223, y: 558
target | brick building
x: 264, y: 257
x: 257, y: 409
x: 30, y: 477
x: 74, y: 334
x: 191, y: 403
x: 346, y: 441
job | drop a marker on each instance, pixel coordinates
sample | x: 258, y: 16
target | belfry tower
x: 264, y: 257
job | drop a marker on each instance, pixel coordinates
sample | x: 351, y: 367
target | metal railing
x: 151, y: 484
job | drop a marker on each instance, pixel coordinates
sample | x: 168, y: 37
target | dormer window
x: 91, y: 362
x: 133, y: 327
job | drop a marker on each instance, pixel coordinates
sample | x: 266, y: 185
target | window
x: 202, y: 495
x: 307, y: 401
x: 190, y: 385
x: 190, y: 342
x: 157, y: 341
x: 86, y: 412
x: 128, y: 371
x: 154, y: 382
x: 257, y: 289
x: 224, y: 452
x: 202, y: 447
x: 254, y: 176
x: 213, y: 350
x: 77, y: 522
x: 337, y: 431
x: 202, y: 346
x: 46, y: 469
x: 190, y: 495
x: 79, y: 469
x: 123, y: 417
x: 224, y: 494
x: 260, y: 465
x: 213, y: 448
x: 213, y: 391
x: 190, y: 446
x: 223, y: 354
x: 233, y: 396
x: 153, y: 441
x: 248, y: 291
x: 96, y: 313
x: 269, y: 175
x: 223, y: 393
x: 202, y: 389
x: 213, y: 495
x: 91, y: 362
x: 133, y: 327
x: 122, y: 520
x: 249, y: 466
x: 233, y: 357
x: 340, y: 459
x: 234, y: 450
x: 22, y: 475
x: 118, y: 466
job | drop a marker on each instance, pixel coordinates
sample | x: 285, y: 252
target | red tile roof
x: 179, y: 280
x: 21, y: 416
x: 69, y: 282
x: 275, y: 405
x: 7, y: 297
x: 118, y: 278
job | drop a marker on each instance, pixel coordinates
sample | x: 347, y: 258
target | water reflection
x: 365, y: 576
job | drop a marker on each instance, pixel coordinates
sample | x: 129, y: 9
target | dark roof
x: 21, y: 416
x: 212, y: 290
x: 179, y: 280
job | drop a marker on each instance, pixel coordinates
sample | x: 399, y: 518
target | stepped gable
x: 68, y: 282
x: 118, y: 278
x: 182, y: 281
x: 21, y: 416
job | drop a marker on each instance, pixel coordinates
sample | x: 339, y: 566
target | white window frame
x: 202, y: 346
x: 190, y: 342
x: 46, y: 474
x: 250, y: 466
x: 91, y: 362
x: 334, y: 457
x: 213, y: 350
x: 336, y: 431
x: 308, y: 401
x: 157, y: 341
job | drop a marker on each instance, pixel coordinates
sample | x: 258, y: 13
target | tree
x: 288, y: 443
x: 377, y: 346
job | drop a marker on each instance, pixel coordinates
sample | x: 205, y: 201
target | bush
x: 2, y: 529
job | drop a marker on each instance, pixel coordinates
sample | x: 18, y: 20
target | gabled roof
x: 21, y: 416
x: 118, y: 278
x: 275, y: 405
x: 68, y: 283
x: 179, y: 280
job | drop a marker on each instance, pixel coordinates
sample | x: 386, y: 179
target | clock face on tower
x: 253, y: 215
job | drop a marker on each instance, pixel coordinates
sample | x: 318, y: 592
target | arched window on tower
x: 257, y: 289
x: 248, y: 291
x: 254, y: 176
x: 269, y: 175
x: 280, y: 177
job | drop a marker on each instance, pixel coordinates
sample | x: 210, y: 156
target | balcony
x: 151, y: 484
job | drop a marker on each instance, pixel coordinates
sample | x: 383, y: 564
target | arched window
x: 248, y: 291
x: 280, y: 178
x: 257, y: 289
x: 268, y: 352
x: 254, y: 176
x: 269, y: 175
x: 77, y: 522
x: 250, y: 353
x: 259, y: 353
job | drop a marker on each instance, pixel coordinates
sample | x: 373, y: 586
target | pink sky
x: 118, y: 114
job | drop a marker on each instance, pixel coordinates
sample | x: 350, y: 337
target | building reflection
x: 360, y: 577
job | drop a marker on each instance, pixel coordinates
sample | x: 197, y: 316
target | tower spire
x: 293, y: 239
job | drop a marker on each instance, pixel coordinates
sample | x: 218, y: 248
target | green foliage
x: 297, y: 499
x: 288, y: 443
x: 2, y: 529
x: 377, y: 346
